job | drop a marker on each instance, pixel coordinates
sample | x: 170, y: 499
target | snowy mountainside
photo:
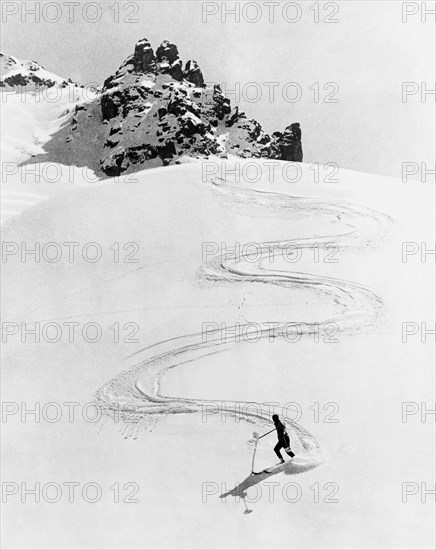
x: 152, y: 112
x: 168, y: 377
x: 35, y: 105
x: 15, y: 72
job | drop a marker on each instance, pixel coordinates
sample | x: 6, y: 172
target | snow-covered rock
x: 153, y: 112
x: 16, y: 73
x: 186, y: 117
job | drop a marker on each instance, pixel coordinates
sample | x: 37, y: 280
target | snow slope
x: 183, y: 437
x: 35, y: 105
x: 150, y: 113
x: 18, y: 73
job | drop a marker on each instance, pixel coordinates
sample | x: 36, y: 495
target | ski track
x: 134, y: 395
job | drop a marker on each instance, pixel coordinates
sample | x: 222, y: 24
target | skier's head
x: 275, y: 418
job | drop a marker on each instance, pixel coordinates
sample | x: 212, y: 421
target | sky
x: 342, y: 80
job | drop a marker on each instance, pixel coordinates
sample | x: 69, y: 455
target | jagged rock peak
x: 291, y: 143
x: 192, y: 73
x: 165, y: 61
x: 168, y: 61
x: 167, y: 51
x: 144, y: 60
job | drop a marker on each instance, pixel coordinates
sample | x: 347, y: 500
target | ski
x: 271, y: 468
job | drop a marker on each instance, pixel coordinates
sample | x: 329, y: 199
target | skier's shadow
x: 297, y: 466
x: 241, y: 489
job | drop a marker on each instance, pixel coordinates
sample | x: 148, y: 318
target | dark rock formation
x: 143, y: 59
x: 151, y: 112
x: 159, y: 113
x: 168, y: 62
x: 29, y: 75
x: 167, y: 52
x: 291, y: 146
x: 192, y: 73
x: 288, y: 145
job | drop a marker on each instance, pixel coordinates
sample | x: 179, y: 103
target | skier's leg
x: 288, y: 448
x: 277, y: 451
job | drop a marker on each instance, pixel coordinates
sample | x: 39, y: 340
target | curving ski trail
x: 135, y: 393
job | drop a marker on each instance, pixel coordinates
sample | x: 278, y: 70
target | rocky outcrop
x: 27, y: 75
x: 144, y: 60
x: 153, y: 112
x: 168, y: 61
x: 288, y: 145
x: 167, y: 52
x: 160, y: 114
x: 192, y: 73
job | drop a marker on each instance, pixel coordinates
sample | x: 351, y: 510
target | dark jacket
x: 282, y: 434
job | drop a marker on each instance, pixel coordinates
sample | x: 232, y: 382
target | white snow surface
x: 29, y: 119
x: 181, y: 455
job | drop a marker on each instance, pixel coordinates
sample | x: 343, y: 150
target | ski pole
x: 255, y: 447
x: 266, y: 434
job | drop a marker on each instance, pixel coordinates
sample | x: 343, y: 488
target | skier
x: 283, y: 437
